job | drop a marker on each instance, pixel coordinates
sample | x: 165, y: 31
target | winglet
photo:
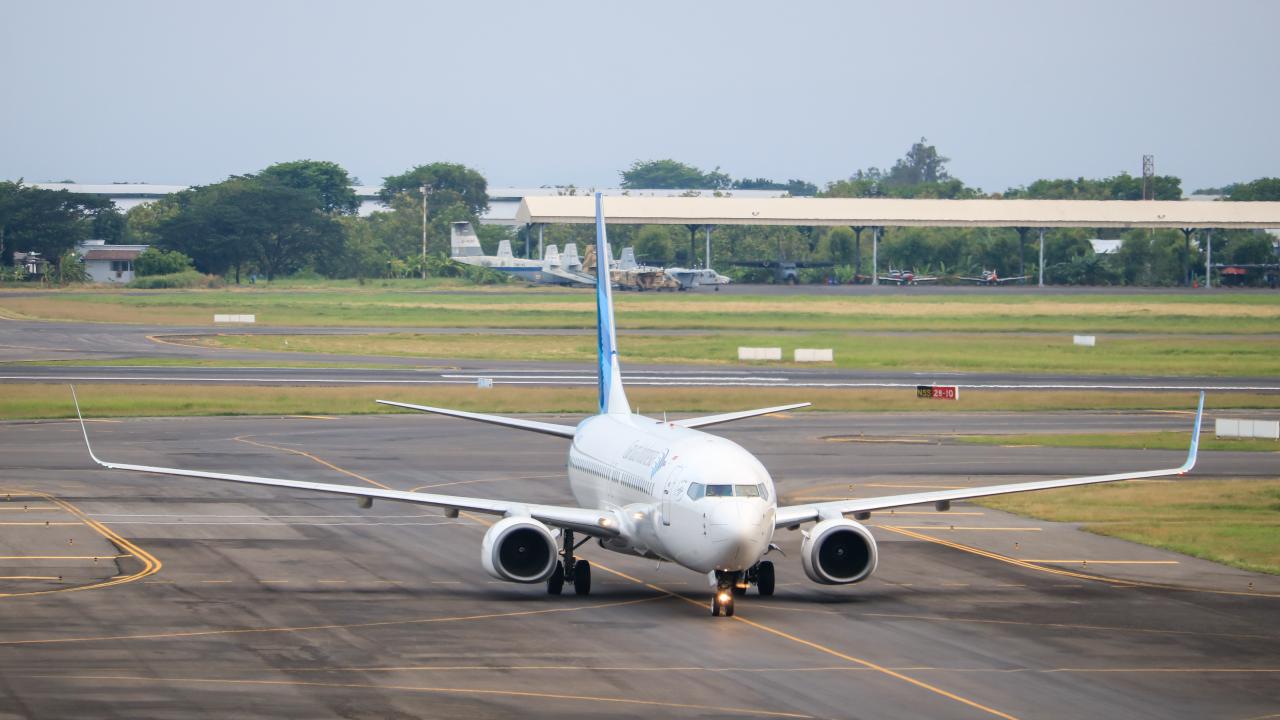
x: 1195, y: 439
x: 83, y: 431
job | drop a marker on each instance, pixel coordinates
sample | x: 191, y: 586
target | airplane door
x: 669, y: 493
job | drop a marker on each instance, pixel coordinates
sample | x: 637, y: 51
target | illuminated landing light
x: 724, y: 598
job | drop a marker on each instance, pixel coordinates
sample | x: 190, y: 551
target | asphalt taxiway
x: 156, y: 597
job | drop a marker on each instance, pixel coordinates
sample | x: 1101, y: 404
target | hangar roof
x: 871, y: 212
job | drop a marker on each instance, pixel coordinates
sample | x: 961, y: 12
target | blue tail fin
x: 612, y: 398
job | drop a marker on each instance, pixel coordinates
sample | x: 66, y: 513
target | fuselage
x: 685, y: 496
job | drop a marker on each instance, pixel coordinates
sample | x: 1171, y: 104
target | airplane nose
x: 738, y: 531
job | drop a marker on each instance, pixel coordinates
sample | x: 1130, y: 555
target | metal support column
x: 527, y: 228
x: 1186, y: 256
x: 540, y: 226
x: 1208, y: 258
x: 857, y: 252
x: 707, y: 257
x: 1041, y: 268
x: 875, y: 256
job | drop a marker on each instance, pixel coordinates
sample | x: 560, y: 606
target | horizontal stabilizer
x: 530, y: 425
x: 706, y: 420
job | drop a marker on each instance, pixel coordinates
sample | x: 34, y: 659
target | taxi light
x: 724, y: 597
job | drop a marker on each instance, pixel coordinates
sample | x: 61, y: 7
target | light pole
x: 424, y: 232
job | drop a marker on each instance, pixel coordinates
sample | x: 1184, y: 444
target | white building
x: 109, y: 263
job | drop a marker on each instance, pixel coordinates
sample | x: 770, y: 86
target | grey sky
x: 534, y: 93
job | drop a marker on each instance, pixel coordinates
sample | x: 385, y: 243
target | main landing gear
x: 734, y: 584
x: 569, y: 569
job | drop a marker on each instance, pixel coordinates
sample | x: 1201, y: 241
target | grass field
x: 52, y: 400
x: 992, y: 352
x: 1126, y: 440
x: 1235, y: 522
x: 507, y: 306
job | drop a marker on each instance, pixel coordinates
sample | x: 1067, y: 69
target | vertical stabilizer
x: 613, y: 400
x: 463, y: 241
x: 570, y: 259
x: 628, y: 259
x: 551, y: 256
x: 504, y: 250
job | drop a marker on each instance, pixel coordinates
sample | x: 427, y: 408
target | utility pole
x: 424, y: 232
x: 1148, y: 177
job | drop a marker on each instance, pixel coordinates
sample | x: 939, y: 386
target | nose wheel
x: 570, y: 569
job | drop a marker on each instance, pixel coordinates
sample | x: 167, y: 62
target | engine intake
x: 519, y: 549
x: 839, y: 552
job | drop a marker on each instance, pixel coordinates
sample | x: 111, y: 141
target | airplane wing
x: 793, y: 515
x: 730, y: 417
x: 597, y: 523
x: 530, y: 425
x: 1020, y: 278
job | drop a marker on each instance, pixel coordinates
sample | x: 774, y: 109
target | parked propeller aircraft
x: 906, y: 277
x: 553, y: 268
x: 991, y: 277
x: 660, y: 490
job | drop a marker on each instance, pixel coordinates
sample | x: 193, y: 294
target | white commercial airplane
x: 661, y: 490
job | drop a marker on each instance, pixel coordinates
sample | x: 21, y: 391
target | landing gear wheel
x: 582, y: 577
x: 727, y: 608
x: 764, y: 578
x: 555, y: 583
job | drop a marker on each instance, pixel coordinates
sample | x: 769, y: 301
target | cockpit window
x: 697, y: 491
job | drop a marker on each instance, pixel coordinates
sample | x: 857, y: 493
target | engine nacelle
x: 519, y: 549
x: 839, y: 552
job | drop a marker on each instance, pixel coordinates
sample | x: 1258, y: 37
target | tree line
x: 301, y: 216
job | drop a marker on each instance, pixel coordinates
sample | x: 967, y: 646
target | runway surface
x: 179, y: 598
x: 32, y: 343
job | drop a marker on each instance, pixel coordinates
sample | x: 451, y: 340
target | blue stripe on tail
x: 612, y: 398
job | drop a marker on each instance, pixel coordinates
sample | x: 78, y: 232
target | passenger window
x: 696, y: 491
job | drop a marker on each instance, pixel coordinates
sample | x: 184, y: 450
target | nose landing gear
x: 571, y: 570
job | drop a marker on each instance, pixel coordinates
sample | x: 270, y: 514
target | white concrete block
x: 1226, y: 427
x: 234, y: 318
x: 1266, y: 429
x: 815, y: 355
x: 1084, y: 340
x: 759, y: 353
x: 484, y: 383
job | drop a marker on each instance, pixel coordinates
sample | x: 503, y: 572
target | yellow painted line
x: 40, y: 523
x: 309, y: 456
x: 739, y: 618
x: 311, y: 417
x: 1064, y: 626
x: 917, y: 487
x: 30, y: 577
x: 949, y: 528
x: 332, y: 626
x: 215, y: 582
x: 1070, y: 573
x: 1105, y: 562
x: 331, y: 581
x: 150, y: 564
x: 444, y: 690
x: 823, y: 648
x: 948, y: 513
x: 29, y: 508
x: 160, y: 340
x: 488, y: 479
x: 63, y: 557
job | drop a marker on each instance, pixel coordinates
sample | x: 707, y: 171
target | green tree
x: 48, y: 222
x: 447, y: 184
x: 244, y: 221
x: 922, y: 165
x: 838, y: 246
x: 154, y: 261
x: 328, y: 180
x: 1267, y: 188
x: 1120, y: 187
x: 654, y: 245
x: 143, y: 221
x: 670, y: 174
x: 795, y: 188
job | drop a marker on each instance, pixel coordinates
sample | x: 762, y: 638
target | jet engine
x: 519, y: 549
x: 838, y: 552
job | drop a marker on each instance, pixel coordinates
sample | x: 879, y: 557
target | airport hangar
x: 861, y: 214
